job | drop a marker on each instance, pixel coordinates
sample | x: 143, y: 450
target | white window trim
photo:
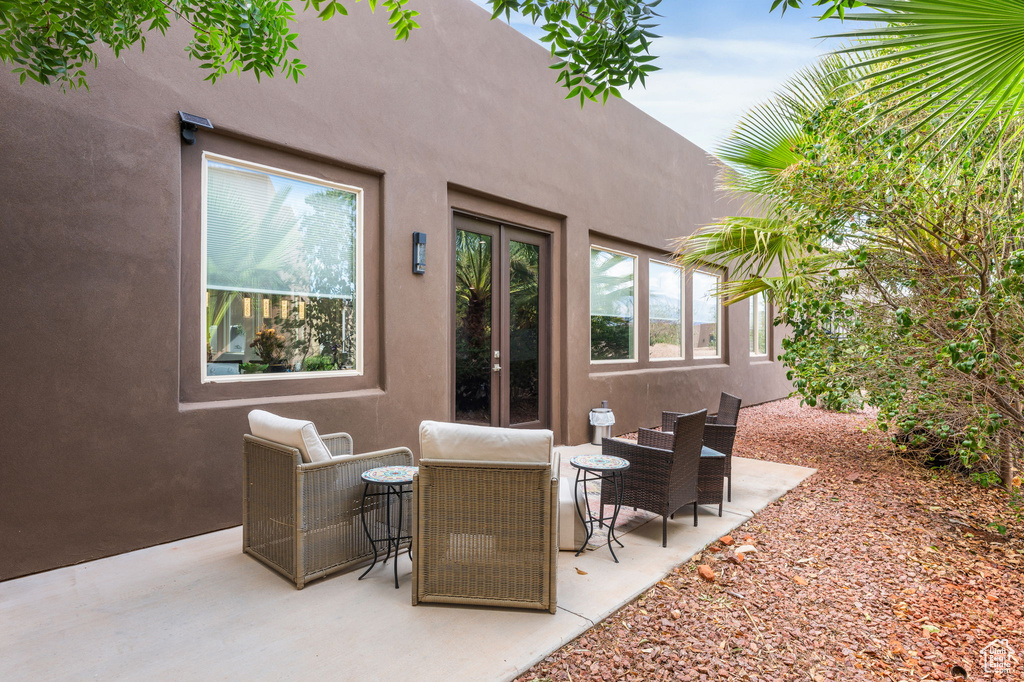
x: 590, y: 293
x: 281, y: 376
x: 718, y: 329
x: 764, y: 324
x: 682, y: 311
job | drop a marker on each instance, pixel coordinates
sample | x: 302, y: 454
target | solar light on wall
x: 189, y: 124
x: 247, y: 306
x: 419, y: 253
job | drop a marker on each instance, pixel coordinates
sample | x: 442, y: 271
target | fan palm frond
x: 949, y: 67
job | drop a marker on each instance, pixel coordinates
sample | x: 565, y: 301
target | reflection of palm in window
x: 282, y: 254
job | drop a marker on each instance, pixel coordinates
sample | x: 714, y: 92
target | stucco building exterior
x: 139, y: 273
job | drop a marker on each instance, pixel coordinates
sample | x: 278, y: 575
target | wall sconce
x: 247, y: 306
x: 419, y: 253
x: 266, y: 307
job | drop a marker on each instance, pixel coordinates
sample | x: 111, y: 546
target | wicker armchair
x: 301, y: 518
x: 720, y: 431
x: 660, y: 479
x: 485, y: 517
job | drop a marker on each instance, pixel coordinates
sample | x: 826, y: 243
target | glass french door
x: 501, y: 325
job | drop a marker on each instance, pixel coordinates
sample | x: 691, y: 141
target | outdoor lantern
x: 247, y: 306
x: 284, y: 307
x: 419, y: 253
x: 189, y: 124
x: 266, y: 307
x: 302, y: 310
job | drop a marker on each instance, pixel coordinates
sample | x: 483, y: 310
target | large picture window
x: 612, y: 305
x: 758, y: 325
x: 665, y: 311
x: 282, y: 272
x: 707, y: 325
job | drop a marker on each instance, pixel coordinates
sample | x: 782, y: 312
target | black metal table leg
x: 373, y: 543
x: 398, y: 535
x: 587, y: 522
x: 615, y: 515
x: 599, y: 468
x: 392, y: 486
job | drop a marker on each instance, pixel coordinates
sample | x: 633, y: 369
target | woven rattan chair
x: 720, y: 432
x: 661, y: 480
x: 710, y: 472
x: 302, y: 518
x: 485, y: 516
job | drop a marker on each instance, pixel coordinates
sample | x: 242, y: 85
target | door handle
x: 497, y: 368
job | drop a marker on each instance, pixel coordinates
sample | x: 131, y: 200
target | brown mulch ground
x: 873, y: 568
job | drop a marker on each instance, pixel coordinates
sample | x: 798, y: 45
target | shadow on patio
x: 199, y: 609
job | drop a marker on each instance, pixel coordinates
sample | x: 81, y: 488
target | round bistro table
x: 591, y: 468
x: 394, y: 480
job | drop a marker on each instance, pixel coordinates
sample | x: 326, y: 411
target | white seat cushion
x: 294, y: 433
x: 441, y: 440
x: 571, y: 532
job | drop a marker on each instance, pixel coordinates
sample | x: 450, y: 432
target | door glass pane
x: 706, y: 341
x: 611, y: 305
x: 472, y: 327
x: 666, y: 311
x: 524, y: 332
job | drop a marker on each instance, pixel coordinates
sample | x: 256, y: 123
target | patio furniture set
x: 483, y: 514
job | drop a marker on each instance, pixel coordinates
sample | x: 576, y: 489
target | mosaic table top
x: 390, y: 475
x: 599, y: 462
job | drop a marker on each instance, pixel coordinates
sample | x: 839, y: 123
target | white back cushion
x: 294, y: 433
x: 441, y: 440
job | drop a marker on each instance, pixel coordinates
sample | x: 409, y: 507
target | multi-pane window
x: 665, y: 311
x: 282, y: 271
x: 707, y: 325
x: 758, y: 325
x: 612, y: 305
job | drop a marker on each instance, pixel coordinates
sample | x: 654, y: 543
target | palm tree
x: 764, y: 145
x: 947, y: 67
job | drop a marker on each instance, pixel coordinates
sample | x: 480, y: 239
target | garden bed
x: 873, y: 568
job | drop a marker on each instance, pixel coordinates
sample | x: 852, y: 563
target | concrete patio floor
x: 198, y: 609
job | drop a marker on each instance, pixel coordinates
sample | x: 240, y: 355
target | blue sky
x: 718, y: 59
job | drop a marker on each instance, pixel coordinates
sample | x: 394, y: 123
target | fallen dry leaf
x: 581, y: 572
x: 799, y: 580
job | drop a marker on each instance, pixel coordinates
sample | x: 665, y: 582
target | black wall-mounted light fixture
x: 419, y: 253
x: 190, y: 123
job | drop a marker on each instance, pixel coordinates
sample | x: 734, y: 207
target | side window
x: 282, y: 272
x: 707, y: 315
x: 612, y: 305
x: 758, y: 325
x: 665, y: 311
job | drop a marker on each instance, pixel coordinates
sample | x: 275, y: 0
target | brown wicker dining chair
x: 485, y: 517
x: 301, y: 497
x: 660, y: 479
x: 720, y: 432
